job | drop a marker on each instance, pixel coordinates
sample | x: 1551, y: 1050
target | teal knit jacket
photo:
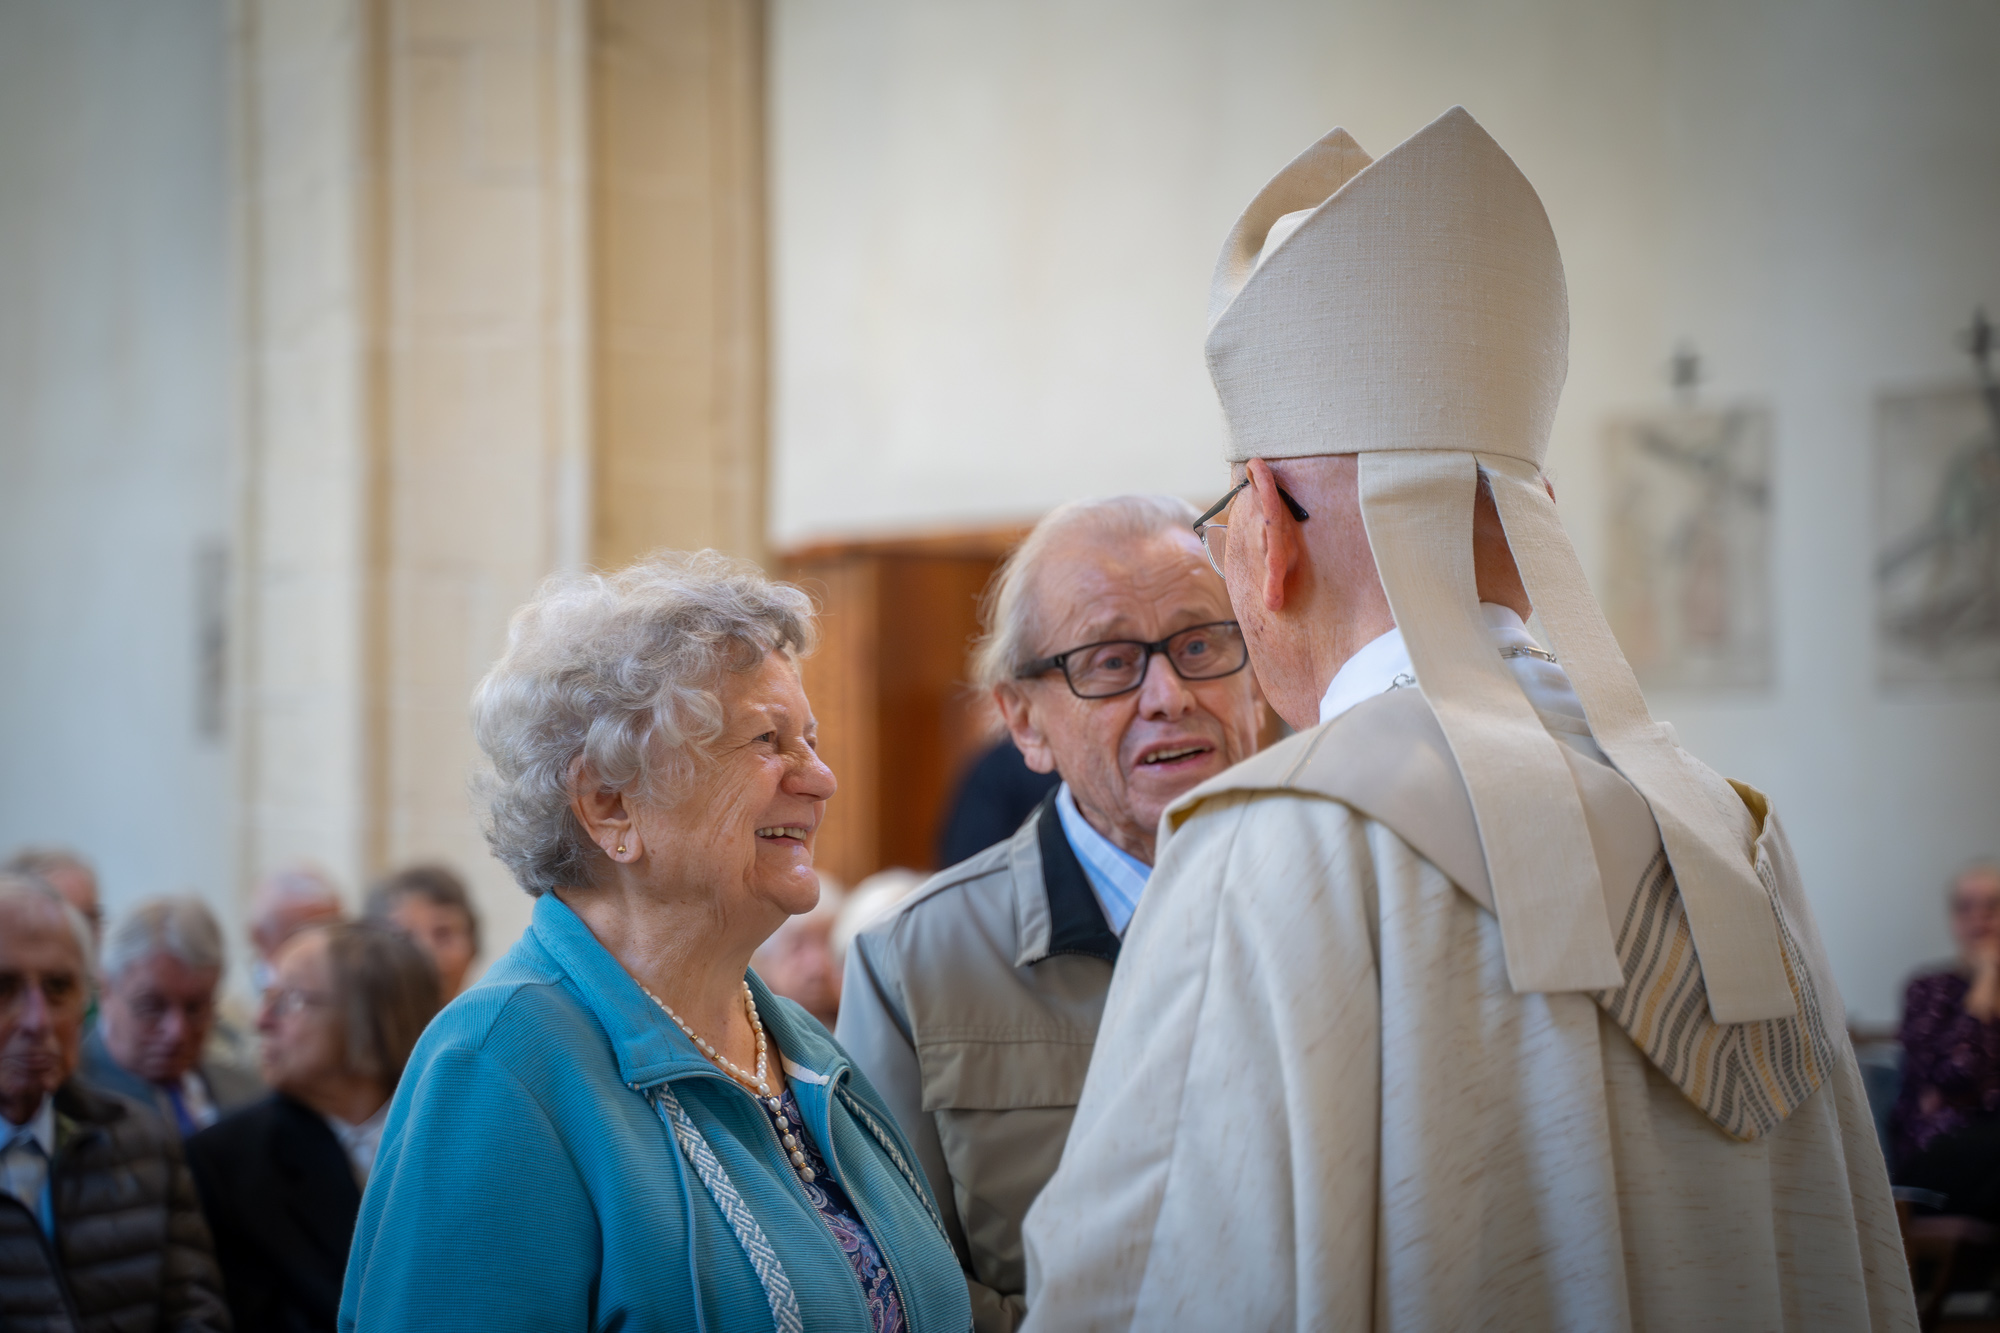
x: 558, y: 1155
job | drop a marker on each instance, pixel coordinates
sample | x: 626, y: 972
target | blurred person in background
x: 285, y: 903
x: 69, y: 875
x: 162, y: 964
x: 100, y: 1226
x: 998, y: 791
x: 429, y: 903
x: 1113, y: 655
x: 281, y: 1180
x: 1945, y: 1128
x: 661, y: 1141
x: 868, y: 901
x: 800, y: 962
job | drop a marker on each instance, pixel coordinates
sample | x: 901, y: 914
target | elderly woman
x: 281, y: 1180
x: 620, y: 1126
x: 1945, y: 1128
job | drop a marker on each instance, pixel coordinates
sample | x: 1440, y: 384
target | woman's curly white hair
x: 613, y: 679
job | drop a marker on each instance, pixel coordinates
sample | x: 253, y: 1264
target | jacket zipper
x: 874, y: 1231
x: 798, y: 1186
x: 49, y: 1251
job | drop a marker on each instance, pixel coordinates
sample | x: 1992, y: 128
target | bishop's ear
x: 1275, y: 545
x: 1017, y: 709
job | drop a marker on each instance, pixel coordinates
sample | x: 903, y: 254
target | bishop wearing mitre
x: 1479, y: 1002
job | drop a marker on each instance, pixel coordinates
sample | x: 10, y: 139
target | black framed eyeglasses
x: 1113, y: 667
x: 1215, y: 536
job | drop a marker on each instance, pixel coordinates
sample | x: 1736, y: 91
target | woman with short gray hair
x: 654, y: 785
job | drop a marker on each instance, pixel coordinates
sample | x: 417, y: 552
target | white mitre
x: 1412, y: 311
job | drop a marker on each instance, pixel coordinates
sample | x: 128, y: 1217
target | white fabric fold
x: 1729, y: 911
x: 1547, y: 892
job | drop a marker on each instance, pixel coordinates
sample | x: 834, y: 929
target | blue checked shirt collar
x: 1116, y: 876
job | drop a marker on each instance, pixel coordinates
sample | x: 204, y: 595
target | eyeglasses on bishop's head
x: 1215, y: 536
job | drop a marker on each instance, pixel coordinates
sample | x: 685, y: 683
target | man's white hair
x: 300, y: 883
x: 182, y: 928
x: 618, y: 674
x: 1008, y: 610
x: 14, y: 884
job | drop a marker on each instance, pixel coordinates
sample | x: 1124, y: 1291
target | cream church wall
x: 399, y: 304
x: 115, y: 431
x: 993, y: 226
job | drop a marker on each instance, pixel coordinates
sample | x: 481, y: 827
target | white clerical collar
x: 41, y: 1127
x: 1384, y: 664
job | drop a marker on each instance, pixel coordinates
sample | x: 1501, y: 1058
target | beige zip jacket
x: 973, y: 1008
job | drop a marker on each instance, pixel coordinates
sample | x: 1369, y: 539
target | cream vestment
x: 1453, y: 1012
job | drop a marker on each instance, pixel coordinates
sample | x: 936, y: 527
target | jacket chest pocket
x: 988, y: 1075
x: 1003, y: 1111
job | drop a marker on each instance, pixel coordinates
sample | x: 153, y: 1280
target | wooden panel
x: 931, y: 721
x: 840, y: 682
x: 898, y: 723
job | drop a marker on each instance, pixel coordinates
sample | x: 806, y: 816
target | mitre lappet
x: 1412, y: 310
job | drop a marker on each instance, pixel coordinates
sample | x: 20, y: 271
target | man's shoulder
x: 983, y: 880
x: 232, y: 1087
x: 1373, y: 743
x: 129, y: 1128
x: 1385, y: 761
x: 96, y: 1067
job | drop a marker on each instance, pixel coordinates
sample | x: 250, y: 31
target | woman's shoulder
x: 520, y: 1010
x: 1942, y: 980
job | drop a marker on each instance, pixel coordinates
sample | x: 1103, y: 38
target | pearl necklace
x: 758, y: 1081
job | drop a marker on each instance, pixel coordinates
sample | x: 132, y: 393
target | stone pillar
x: 481, y: 410
x: 306, y: 476
x: 677, y: 276
x: 465, y: 225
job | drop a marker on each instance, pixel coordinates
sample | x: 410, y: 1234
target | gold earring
x: 620, y: 851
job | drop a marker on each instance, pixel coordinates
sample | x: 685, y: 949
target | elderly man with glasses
x: 100, y: 1226
x: 973, y: 1007
x: 162, y: 966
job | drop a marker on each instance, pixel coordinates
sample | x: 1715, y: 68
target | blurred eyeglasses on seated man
x: 1113, y: 657
x: 163, y: 963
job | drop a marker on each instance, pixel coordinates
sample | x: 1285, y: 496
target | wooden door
x: 898, y: 722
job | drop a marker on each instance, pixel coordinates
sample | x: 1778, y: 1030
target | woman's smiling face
x: 743, y: 831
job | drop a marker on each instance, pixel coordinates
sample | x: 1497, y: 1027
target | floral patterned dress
x: 1951, y: 1066
x: 878, y: 1284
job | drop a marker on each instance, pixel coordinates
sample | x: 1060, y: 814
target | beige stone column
x: 468, y: 228
x: 484, y: 450
x: 415, y: 448
x: 300, y: 667
x: 677, y: 276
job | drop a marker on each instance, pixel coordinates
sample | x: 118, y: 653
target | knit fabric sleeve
x: 475, y: 1215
